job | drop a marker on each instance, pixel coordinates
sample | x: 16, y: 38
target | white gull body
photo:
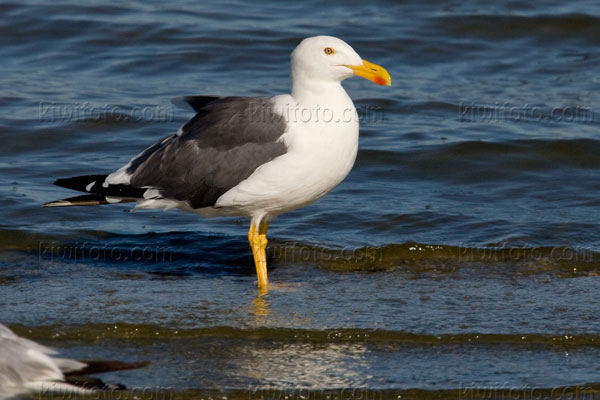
x: 322, y: 141
x: 227, y: 162
x: 321, y: 136
x: 28, y: 367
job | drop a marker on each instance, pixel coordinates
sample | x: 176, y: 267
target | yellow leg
x: 258, y: 242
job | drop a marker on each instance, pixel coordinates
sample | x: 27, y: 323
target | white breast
x: 322, y: 144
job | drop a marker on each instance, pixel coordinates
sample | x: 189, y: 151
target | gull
x: 27, y: 367
x: 255, y: 157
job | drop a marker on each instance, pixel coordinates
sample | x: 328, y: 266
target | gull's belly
x: 311, y: 168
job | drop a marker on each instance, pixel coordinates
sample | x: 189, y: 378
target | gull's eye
x: 328, y: 50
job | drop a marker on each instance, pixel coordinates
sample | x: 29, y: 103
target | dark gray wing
x: 196, y: 102
x: 217, y: 149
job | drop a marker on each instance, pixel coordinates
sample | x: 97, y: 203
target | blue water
x: 472, y: 209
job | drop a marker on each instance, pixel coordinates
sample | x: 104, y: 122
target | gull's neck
x: 312, y: 93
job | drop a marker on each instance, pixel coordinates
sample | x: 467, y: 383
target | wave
x: 421, y: 258
x: 124, y: 331
x: 545, y: 27
x: 587, y: 391
x: 498, y: 158
x: 498, y: 391
x: 190, y: 252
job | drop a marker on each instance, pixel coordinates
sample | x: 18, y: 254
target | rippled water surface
x: 462, y: 252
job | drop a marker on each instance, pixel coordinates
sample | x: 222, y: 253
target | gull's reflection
x: 261, y: 303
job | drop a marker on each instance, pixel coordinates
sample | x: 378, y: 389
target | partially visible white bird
x: 28, y: 367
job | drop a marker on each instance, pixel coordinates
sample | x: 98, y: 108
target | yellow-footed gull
x: 247, y: 156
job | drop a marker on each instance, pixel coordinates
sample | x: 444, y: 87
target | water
x: 459, y: 258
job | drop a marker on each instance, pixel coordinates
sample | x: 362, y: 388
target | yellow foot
x: 258, y: 242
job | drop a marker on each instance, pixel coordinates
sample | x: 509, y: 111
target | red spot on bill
x: 380, y: 81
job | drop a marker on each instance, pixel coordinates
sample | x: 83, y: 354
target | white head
x: 329, y: 59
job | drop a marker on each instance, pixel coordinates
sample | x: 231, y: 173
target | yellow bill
x: 372, y: 72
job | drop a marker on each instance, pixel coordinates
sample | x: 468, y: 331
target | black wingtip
x: 95, y: 184
x: 81, y: 379
x: 100, y: 366
x: 84, y: 200
x: 80, y: 183
x: 88, y: 200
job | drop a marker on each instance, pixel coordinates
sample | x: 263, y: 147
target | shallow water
x: 462, y: 253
